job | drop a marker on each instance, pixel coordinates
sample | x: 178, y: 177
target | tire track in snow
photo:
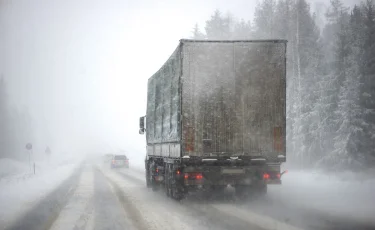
x: 264, y: 213
x: 150, y: 213
x: 202, y: 212
x: 251, y: 217
x: 79, y: 210
x: 126, y: 216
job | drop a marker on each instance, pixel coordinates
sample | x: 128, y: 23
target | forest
x: 330, y: 77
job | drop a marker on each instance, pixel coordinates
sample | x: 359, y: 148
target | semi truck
x: 216, y: 117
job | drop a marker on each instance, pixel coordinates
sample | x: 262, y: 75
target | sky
x: 80, y: 67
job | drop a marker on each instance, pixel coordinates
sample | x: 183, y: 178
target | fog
x: 81, y: 67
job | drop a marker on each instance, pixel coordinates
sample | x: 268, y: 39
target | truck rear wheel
x: 218, y: 188
x: 168, y: 187
x: 178, y: 193
x: 242, y: 191
x: 148, y: 183
x: 155, y: 186
x: 261, y: 190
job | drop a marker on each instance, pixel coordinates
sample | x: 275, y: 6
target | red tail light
x: 199, y: 176
x: 278, y: 175
x: 196, y: 176
x: 266, y: 176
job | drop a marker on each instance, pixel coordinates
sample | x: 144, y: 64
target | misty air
x: 209, y: 115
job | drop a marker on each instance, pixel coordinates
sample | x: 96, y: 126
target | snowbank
x: 20, y: 190
x: 9, y: 167
x: 345, y: 196
x: 12, y: 171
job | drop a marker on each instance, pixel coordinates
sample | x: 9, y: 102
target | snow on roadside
x: 349, y: 198
x: 17, y: 196
x: 9, y: 167
x: 12, y: 171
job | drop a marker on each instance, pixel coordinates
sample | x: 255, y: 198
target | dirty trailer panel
x: 219, y: 98
x: 163, y: 109
x: 233, y: 98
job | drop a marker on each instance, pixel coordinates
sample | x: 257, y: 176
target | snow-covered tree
x: 333, y: 17
x: 264, y: 19
x: 330, y: 77
x: 367, y: 93
x: 197, y: 34
x: 242, y: 30
x: 219, y: 26
x: 348, y: 114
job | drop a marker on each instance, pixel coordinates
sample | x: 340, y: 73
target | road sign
x: 29, y: 146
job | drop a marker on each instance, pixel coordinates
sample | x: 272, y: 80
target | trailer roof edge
x: 233, y: 41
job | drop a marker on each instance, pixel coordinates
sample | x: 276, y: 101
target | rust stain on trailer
x: 277, y: 139
x: 190, y: 139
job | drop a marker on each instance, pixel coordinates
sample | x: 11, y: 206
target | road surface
x: 96, y: 197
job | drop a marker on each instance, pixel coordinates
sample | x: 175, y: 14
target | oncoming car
x: 120, y: 161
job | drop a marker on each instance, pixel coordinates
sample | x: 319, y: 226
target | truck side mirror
x: 142, y: 125
x: 286, y: 171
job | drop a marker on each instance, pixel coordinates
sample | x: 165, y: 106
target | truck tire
x: 174, y: 188
x: 148, y: 183
x: 167, y: 190
x: 178, y: 193
x: 242, y: 192
x: 167, y: 181
x: 261, y: 190
x: 218, y: 188
x: 155, y: 186
x: 152, y: 183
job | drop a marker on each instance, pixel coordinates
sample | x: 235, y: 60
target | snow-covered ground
x: 119, y: 199
x: 345, y: 195
x: 11, y: 169
x: 20, y: 189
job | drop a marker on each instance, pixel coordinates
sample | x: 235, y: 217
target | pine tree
x: 348, y: 114
x: 331, y: 29
x: 283, y: 17
x: 330, y: 75
x: 367, y: 93
x: 219, y: 27
x: 264, y: 19
x: 242, y: 30
x: 306, y: 58
x: 197, y: 34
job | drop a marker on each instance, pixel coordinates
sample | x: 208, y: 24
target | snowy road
x: 96, y: 197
